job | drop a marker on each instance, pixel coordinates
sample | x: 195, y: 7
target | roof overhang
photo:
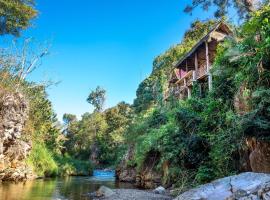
x: 211, y: 34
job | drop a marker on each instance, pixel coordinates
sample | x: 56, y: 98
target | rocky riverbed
x: 245, y: 186
x: 133, y: 194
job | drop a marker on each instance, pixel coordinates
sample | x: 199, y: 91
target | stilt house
x: 196, y: 64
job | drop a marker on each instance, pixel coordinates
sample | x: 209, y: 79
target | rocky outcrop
x: 126, y: 172
x: 260, y: 155
x: 147, y: 177
x: 245, y: 186
x: 13, y: 150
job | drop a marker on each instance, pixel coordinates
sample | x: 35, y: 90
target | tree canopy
x: 97, y: 98
x: 16, y: 15
x: 243, y: 6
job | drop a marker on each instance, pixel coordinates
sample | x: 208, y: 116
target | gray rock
x: 243, y: 186
x: 159, y: 190
x: 104, y: 191
x: 250, y: 197
x: 134, y: 194
x: 266, y: 196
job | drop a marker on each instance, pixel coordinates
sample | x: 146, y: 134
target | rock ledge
x: 245, y: 186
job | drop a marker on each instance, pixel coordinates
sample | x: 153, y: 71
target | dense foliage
x: 98, y: 136
x: 202, y: 138
x: 244, y: 7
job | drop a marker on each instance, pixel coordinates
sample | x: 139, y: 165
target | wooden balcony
x: 187, y: 80
x: 202, y: 72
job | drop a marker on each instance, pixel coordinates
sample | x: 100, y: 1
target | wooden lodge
x: 196, y: 64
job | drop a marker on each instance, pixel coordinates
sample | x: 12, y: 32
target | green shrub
x: 205, y: 173
x: 70, y: 166
x: 42, y: 161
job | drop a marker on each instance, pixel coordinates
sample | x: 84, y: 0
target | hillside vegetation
x: 202, y: 139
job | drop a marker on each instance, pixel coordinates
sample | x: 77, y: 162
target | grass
x: 45, y: 163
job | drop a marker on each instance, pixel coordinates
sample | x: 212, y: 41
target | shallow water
x: 71, y: 188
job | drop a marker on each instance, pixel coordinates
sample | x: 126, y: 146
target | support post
x: 208, y: 66
x: 196, y: 65
x: 189, y: 92
x: 200, y: 89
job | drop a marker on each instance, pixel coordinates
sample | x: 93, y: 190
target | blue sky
x: 106, y: 43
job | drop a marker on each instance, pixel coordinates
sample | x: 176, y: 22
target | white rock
x: 104, y: 191
x: 159, y: 190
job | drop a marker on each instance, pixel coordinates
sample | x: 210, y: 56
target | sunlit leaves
x: 16, y: 15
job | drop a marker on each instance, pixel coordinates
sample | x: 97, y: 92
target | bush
x: 70, y: 166
x: 42, y: 161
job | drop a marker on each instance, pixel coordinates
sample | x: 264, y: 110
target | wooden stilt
x: 208, y: 66
x: 189, y: 92
x: 196, y: 65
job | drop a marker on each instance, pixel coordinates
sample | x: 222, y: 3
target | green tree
x: 69, y: 118
x: 97, y: 98
x: 16, y: 15
x: 244, y: 7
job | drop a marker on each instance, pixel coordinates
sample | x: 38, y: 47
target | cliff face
x: 146, y: 177
x: 126, y: 172
x: 13, y: 150
x: 259, y: 156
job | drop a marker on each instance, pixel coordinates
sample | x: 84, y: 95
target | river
x: 69, y: 188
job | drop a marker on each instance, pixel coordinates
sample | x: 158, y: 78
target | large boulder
x: 104, y: 191
x: 244, y: 186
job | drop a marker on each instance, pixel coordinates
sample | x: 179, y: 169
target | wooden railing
x: 202, y: 71
x: 186, y: 82
x: 187, y: 79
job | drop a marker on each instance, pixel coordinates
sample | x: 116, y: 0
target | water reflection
x: 71, y: 188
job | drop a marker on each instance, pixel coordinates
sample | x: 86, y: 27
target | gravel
x: 134, y: 194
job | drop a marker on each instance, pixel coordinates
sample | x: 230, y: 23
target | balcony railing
x: 181, y: 88
x: 202, y: 71
x: 187, y: 79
